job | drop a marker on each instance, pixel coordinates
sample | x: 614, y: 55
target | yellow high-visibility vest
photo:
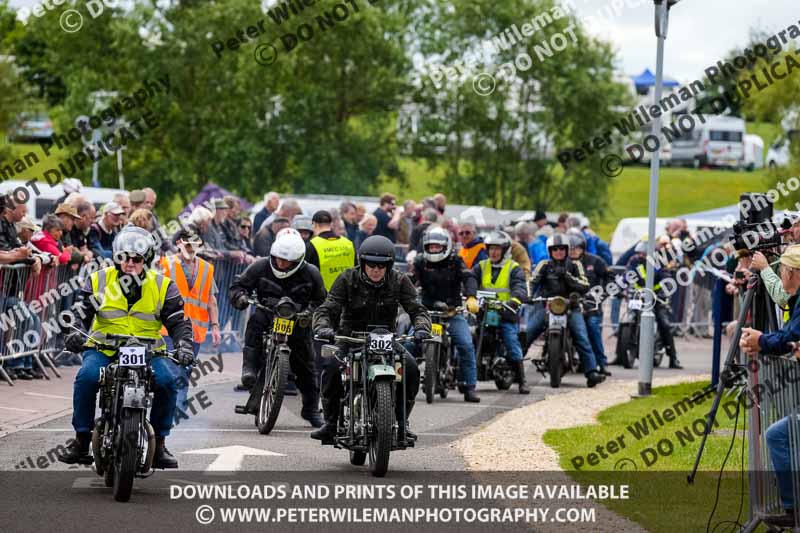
x: 335, y: 256
x: 502, y: 285
x: 113, y: 315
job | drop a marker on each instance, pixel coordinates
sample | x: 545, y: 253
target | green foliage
x: 498, y: 149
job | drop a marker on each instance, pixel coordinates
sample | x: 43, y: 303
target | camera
x: 738, y: 275
x: 756, y: 230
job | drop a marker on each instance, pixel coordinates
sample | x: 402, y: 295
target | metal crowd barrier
x: 21, y: 329
x: 232, y: 322
x: 774, y: 393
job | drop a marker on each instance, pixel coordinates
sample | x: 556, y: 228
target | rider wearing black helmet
x: 560, y: 276
x: 597, y: 273
x: 367, y: 295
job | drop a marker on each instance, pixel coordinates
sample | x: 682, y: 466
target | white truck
x: 718, y: 143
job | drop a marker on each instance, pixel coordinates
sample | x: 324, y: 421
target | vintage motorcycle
x: 628, y: 336
x: 123, y: 441
x: 441, y: 365
x: 367, y: 425
x: 558, y: 356
x: 266, y: 396
x: 490, y: 351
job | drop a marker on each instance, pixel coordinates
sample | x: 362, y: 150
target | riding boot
x: 519, y: 369
x: 330, y: 410
x: 162, y: 457
x: 78, y: 450
x: 310, y: 410
x: 470, y: 396
x: 250, y: 366
x: 673, y: 359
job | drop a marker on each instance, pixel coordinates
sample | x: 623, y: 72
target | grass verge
x: 653, y: 453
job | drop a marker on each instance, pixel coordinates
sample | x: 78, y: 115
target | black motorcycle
x: 628, y: 334
x: 441, y: 365
x: 367, y: 424
x: 558, y: 357
x: 123, y: 441
x: 490, y: 352
x: 266, y: 396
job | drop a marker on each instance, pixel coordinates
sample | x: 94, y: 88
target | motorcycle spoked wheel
x: 272, y: 396
x: 554, y: 361
x: 357, y: 457
x: 628, y: 349
x: 380, y: 442
x: 431, y: 371
x: 658, y: 353
x: 503, y: 376
x: 97, y: 439
x: 126, y: 456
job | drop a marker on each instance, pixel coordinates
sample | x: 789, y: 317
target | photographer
x: 777, y: 343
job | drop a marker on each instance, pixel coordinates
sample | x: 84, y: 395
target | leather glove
x: 514, y: 304
x: 185, y: 354
x: 74, y: 342
x: 421, y: 335
x: 560, y: 270
x: 325, y: 334
x: 472, y: 305
x: 240, y: 302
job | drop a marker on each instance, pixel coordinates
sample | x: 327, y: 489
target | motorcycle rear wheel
x: 126, y: 456
x: 272, y: 396
x: 380, y: 442
x: 431, y: 371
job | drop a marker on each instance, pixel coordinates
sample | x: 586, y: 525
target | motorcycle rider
x: 638, y: 265
x: 505, y: 277
x: 284, y: 273
x: 363, y: 296
x: 597, y: 274
x: 559, y: 276
x: 443, y: 277
x: 129, y: 298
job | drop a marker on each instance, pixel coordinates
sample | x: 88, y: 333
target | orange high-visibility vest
x: 195, y: 301
x: 470, y: 254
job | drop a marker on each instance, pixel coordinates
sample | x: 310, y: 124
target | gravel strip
x: 513, y: 441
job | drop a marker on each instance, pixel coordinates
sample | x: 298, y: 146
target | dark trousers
x: 301, y: 361
x: 664, y: 329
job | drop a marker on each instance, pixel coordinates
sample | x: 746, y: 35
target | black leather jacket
x: 444, y: 281
x: 597, y: 274
x: 352, y: 304
x: 304, y: 287
x: 560, y: 278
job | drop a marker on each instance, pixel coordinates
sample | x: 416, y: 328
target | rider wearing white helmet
x: 284, y: 273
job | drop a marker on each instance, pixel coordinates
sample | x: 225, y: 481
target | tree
x: 498, y: 149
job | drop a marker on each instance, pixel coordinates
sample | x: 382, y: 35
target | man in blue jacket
x: 778, y: 343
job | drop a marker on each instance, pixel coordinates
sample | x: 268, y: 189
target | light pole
x: 646, y: 340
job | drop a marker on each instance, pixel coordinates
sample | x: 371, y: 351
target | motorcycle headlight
x: 285, y: 310
x: 558, y: 305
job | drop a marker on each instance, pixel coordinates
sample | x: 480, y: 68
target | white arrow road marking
x: 230, y: 457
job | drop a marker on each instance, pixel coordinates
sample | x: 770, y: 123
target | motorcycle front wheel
x: 431, y: 371
x: 126, y: 456
x: 272, y: 396
x: 380, y: 442
x: 554, y: 356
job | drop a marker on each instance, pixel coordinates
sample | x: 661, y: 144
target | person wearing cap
x: 26, y: 228
x: 104, y: 230
x: 121, y: 199
x: 304, y: 225
x: 194, y: 278
x: 781, y: 342
x: 540, y: 219
x: 68, y: 215
x: 214, y: 236
x: 330, y: 253
x: 137, y: 198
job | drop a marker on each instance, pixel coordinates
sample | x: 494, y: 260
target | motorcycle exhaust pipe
x: 151, y: 446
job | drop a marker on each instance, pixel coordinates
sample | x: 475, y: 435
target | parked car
x: 30, y: 127
x: 779, y: 152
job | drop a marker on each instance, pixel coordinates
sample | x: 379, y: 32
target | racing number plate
x: 436, y: 329
x: 380, y: 342
x: 131, y: 356
x: 635, y: 305
x: 283, y: 326
x: 558, y: 320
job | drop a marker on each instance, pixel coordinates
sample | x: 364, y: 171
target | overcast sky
x: 701, y: 32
